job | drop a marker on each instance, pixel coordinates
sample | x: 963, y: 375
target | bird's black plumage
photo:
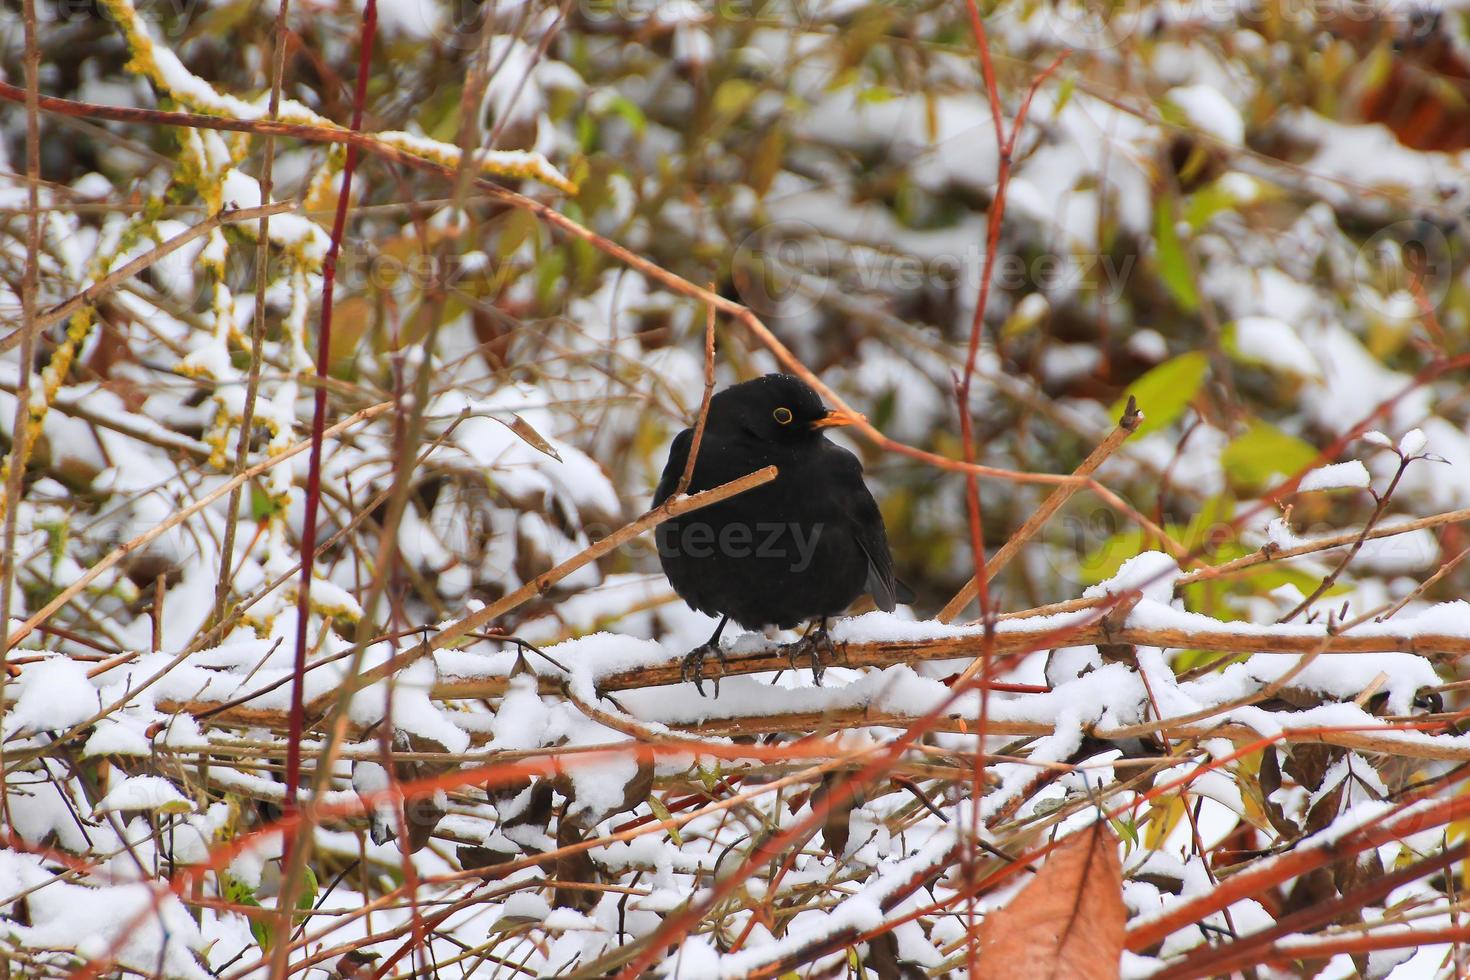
x: 802, y: 547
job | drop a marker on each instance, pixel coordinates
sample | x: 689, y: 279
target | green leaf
x: 1103, y: 562
x: 262, y: 504
x: 1125, y: 828
x: 709, y: 779
x: 240, y: 893
x: 56, y: 536
x: 769, y: 156
x: 1211, y: 527
x: 1376, y: 68
x: 630, y: 112
x: 1173, y: 264
x: 733, y: 95
x: 1064, y: 94
x: 1264, y: 452
x: 1207, y: 202
x: 1165, y: 391
x: 306, y: 901
x: 662, y: 812
x: 550, y: 275
x: 516, y: 227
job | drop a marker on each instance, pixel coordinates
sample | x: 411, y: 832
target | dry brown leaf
x: 1067, y: 924
x: 529, y: 435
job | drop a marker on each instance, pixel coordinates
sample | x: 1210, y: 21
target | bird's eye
x: 782, y: 415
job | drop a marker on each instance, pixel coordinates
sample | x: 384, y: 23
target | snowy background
x: 1250, y: 217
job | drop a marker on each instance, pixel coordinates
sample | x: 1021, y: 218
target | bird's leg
x: 813, y: 645
x: 693, y: 666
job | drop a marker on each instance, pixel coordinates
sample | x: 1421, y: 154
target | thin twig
x: 257, y: 323
x: 709, y: 390
x: 1005, y: 156
x: 1127, y: 425
x: 20, y: 430
x: 174, y: 519
x: 152, y: 257
x: 1331, y: 579
x: 1444, y: 569
x: 294, y: 861
x: 319, y: 404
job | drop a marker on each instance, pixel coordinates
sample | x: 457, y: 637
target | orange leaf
x: 1067, y: 924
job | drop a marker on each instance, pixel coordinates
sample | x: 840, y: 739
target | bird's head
x: 777, y: 408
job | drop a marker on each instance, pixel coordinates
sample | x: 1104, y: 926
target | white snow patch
x: 152, y: 793
x: 1337, y: 476
x: 54, y: 694
x: 1273, y: 343
x: 1210, y: 111
x: 1152, y: 572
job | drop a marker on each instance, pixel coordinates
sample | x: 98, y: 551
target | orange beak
x: 835, y: 417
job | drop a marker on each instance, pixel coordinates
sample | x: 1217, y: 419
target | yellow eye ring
x: 782, y: 415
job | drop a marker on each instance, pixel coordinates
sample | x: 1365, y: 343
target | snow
x: 860, y: 912
x: 1335, y: 476
x: 1362, y: 156
x: 1271, y: 342
x: 145, y: 793
x: 1153, y: 573
x: 417, y: 19
x: 145, y: 930
x: 55, y: 694
x: 1342, y: 676
x: 411, y: 708
x: 114, y: 736
x: 521, y: 722
x: 1413, y: 443
x: 289, y: 230
x: 1211, y: 111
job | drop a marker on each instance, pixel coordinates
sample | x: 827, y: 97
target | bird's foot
x: 692, y: 669
x: 815, y: 646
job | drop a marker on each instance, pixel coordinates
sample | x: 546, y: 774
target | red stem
x: 319, y: 416
x: 1005, y: 146
x: 1260, y: 948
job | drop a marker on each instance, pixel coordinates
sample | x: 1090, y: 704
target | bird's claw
x: 813, y: 646
x: 692, y: 669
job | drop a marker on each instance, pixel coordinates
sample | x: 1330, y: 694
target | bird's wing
x: 867, y: 529
x: 674, y: 468
x: 880, y: 585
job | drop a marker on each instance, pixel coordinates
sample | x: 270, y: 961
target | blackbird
x: 802, y: 547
